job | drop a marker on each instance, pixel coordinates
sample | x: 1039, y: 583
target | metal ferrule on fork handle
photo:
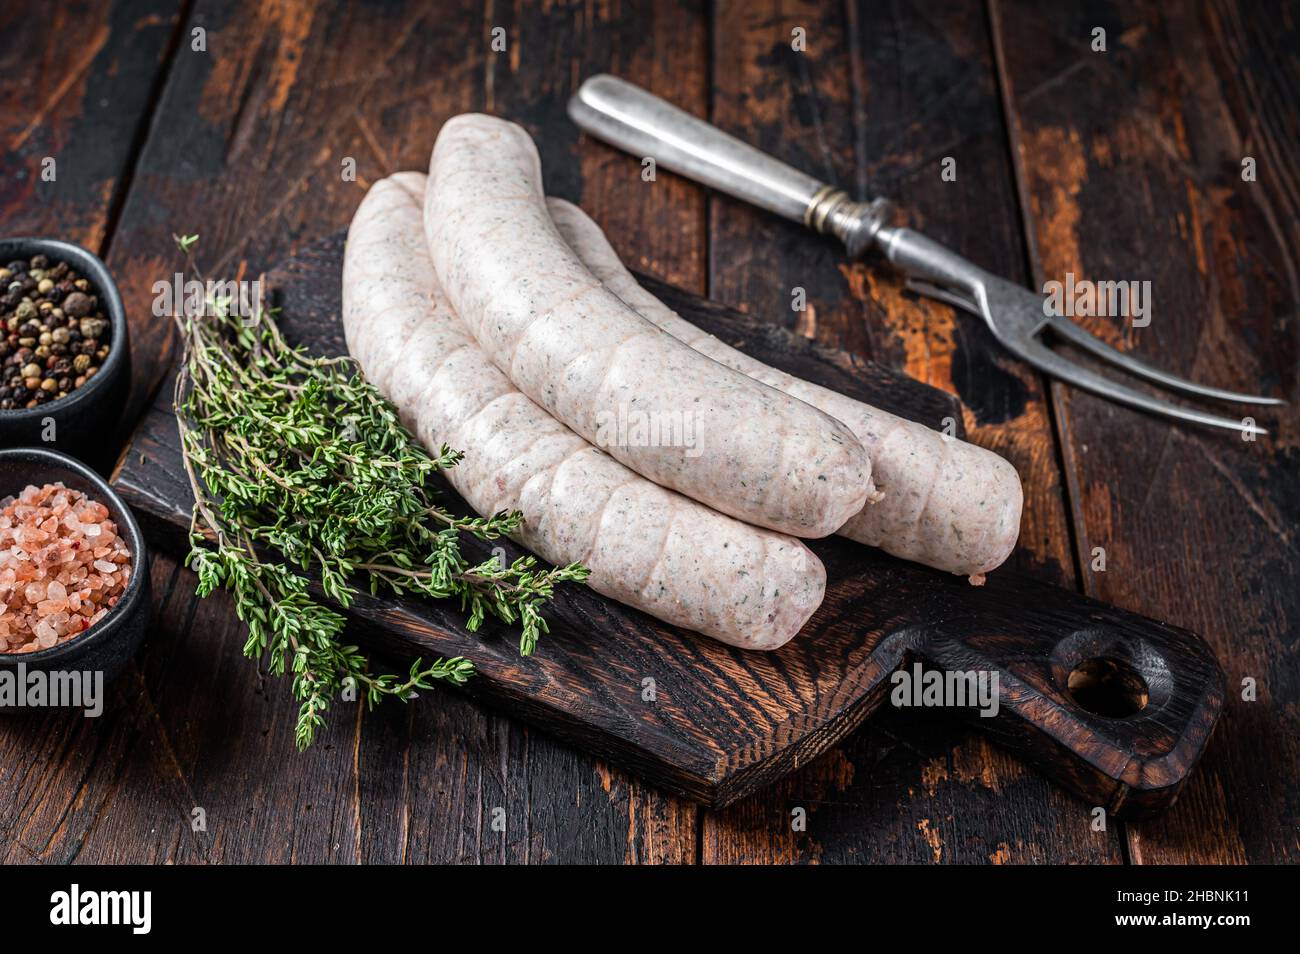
x: 832, y: 212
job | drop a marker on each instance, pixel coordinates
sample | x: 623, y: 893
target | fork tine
x: 1016, y: 317
x: 1089, y: 342
x: 1044, y: 358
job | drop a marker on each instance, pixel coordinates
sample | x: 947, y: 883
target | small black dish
x: 87, y: 417
x: 108, y: 645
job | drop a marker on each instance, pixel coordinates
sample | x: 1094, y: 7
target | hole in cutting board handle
x: 1109, y: 687
x: 1109, y: 672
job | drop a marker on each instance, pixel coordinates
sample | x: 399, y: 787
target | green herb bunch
x: 299, y: 457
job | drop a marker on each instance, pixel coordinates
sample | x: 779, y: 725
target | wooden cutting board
x: 716, y: 723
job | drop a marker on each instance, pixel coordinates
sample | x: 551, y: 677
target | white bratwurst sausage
x: 666, y: 411
x: 646, y: 546
x: 946, y: 503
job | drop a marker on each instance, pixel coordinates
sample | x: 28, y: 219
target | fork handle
x: 641, y: 123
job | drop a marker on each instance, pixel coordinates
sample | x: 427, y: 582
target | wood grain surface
x: 1124, y: 164
x: 1200, y: 528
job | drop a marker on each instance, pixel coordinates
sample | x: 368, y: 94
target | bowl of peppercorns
x: 64, y: 355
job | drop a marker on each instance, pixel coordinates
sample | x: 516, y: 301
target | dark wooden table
x: 1123, y: 164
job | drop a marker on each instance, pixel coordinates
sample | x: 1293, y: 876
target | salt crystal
x: 91, y: 530
x: 103, y: 566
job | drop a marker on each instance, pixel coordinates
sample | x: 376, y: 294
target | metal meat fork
x: 641, y: 123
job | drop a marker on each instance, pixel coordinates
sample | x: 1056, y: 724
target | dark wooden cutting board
x: 716, y: 723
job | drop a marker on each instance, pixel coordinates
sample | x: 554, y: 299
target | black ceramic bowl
x: 87, y: 416
x: 108, y: 645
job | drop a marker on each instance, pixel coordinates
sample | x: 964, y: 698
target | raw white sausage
x: 646, y: 546
x: 663, y: 409
x: 945, y: 503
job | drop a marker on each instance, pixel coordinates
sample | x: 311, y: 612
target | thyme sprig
x: 299, y: 457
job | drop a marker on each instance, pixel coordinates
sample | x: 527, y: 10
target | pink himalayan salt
x: 63, y: 566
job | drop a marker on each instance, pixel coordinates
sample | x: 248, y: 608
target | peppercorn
x: 78, y: 304
x: 92, y: 327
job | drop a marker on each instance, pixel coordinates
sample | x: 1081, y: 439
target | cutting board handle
x: 1113, y: 705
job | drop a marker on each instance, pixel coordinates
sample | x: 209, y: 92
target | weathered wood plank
x: 1130, y: 161
x: 875, y: 103
x: 76, y: 84
x: 76, y: 87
